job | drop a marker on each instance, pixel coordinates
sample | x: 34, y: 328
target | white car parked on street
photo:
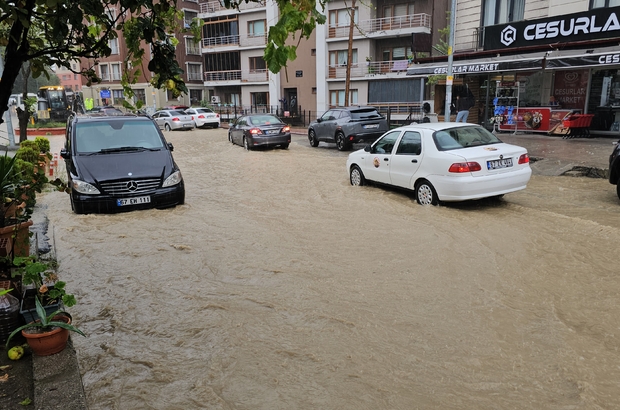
x: 204, y: 117
x: 442, y: 162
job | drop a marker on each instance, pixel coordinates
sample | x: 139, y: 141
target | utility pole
x: 347, y: 83
x: 449, y: 76
x: 7, y: 115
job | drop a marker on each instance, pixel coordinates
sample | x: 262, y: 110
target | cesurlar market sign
x: 590, y: 25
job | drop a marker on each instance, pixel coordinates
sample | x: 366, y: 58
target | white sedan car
x: 442, y: 162
x: 204, y: 117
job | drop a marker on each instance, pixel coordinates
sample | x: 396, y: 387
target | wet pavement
x: 551, y: 156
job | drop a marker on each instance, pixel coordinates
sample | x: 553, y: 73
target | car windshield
x: 264, y: 120
x: 102, y: 136
x: 365, y: 114
x: 463, y: 137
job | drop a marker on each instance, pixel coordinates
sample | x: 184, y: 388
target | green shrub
x: 29, y: 144
x: 28, y: 153
x: 43, y: 143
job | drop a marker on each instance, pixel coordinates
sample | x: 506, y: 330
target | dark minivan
x: 120, y: 163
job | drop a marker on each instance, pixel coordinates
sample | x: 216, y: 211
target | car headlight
x: 173, y: 179
x: 84, y: 187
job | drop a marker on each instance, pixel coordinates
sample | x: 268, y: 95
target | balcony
x: 370, y: 69
x: 237, y: 76
x: 236, y: 40
x: 212, y: 7
x: 379, y: 27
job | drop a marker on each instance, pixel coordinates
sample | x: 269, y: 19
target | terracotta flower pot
x: 48, y: 343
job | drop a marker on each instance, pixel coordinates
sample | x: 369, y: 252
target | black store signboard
x: 589, y: 25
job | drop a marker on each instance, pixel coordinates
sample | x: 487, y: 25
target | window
x: 191, y: 47
x: 140, y: 95
x: 111, y: 13
x: 385, y: 144
x: 410, y: 144
x: 113, y: 43
x: 339, y: 57
x: 194, y: 72
x: 502, y: 11
x: 75, y: 77
x: 336, y: 98
x: 116, y: 71
x: 170, y: 95
x: 257, y: 64
x: 104, y: 72
x: 259, y: 98
x: 313, y: 52
x: 189, y: 16
x: 342, y: 18
x: 256, y: 28
x: 195, y: 96
x: 313, y: 90
x: 396, y: 10
x: 118, y: 96
x: 396, y: 53
x: 597, y: 4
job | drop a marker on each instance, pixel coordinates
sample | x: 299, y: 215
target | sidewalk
x: 554, y: 156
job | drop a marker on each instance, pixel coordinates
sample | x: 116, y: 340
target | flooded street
x: 280, y: 286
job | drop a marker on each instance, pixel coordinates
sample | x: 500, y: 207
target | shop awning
x: 595, y: 57
x: 478, y: 66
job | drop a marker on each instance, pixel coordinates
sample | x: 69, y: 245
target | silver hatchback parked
x: 174, y: 120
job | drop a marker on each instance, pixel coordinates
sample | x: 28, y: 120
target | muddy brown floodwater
x: 280, y: 286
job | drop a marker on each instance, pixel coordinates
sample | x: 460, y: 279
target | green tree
x: 70, y: 31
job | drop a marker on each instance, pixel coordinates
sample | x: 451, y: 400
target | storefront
x: 575, y: 70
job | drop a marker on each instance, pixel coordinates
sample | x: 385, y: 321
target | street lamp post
x: 449, y: 76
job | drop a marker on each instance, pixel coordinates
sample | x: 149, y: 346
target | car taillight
x: 201, y: 116
x: 524, y: 159
x: 460, y: 167
x: 217, y: 115
x: 175, y: 119
x: 255, y: 131
x: 286, y: 129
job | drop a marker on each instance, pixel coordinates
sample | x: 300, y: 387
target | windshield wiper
x: 126, y: 149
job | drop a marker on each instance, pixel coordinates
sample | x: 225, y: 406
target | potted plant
x: 40, y: 283
x: 14, y: 221
x: 48, y: 334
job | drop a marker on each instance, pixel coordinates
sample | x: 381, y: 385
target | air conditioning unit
x: 215, y: 99
x: 430, y: 106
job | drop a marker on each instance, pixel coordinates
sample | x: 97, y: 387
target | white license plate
x: 371, y: 126
x: 133, y: 201
x: 273, y: 132
x: 499, y: 163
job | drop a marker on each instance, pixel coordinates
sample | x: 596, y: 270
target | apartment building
x: 383, y: 45
x: 68, y: 79
x: 532, y: 63
x: 188, y: 54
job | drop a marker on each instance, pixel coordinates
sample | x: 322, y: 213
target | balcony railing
x: 237, y: 75
x: 215, y: 6
x: 384, y: 24
x: 243, y: 41
x: 369, y: 69
x: 220, y: 41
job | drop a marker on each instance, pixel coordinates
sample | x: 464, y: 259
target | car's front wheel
x: 167, y: 127
x: 312, y: 139
x: 341, y: 142
x: 356, y: 176
x: 246, y: 144
x: 284, y: 146
x: 425, y: 193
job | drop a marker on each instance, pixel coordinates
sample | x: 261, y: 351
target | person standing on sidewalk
x: 464, y: 101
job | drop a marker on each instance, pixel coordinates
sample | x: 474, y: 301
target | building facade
x: 555, y: 58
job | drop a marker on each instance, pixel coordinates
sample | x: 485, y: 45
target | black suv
x: 346, y: 126
x: 614, y: 168
x: 120, y: 163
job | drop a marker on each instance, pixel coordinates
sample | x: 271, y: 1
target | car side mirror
x: 368, y: 148
x: 170, y: 146
x: 65, y: 154
x: 318, y: 120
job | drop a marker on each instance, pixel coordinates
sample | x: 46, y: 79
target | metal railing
x: 215, y: 6
x: 384, y: 24
x: 220, y: 41
x: 369, y: 69
x: 231, y: 75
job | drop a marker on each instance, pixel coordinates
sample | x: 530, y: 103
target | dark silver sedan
x: 174, y: 120
x: 259, y: 130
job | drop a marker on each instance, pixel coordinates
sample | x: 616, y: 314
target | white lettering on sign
x: 570, y: 27
x: 468, y: 68
x: 609, y: 59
